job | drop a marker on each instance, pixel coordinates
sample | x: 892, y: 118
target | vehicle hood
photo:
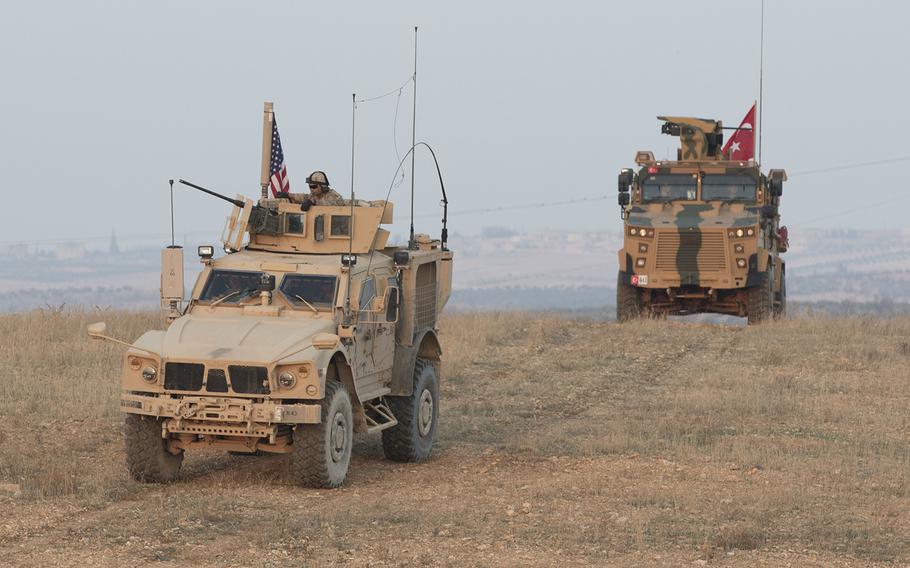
x: 693, y: 215
x: 239, y: 339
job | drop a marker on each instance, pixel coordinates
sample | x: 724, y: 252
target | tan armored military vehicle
x: 701, y: 232
x: 309, y: 330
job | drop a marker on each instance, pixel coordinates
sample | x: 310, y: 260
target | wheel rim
x: 338, y: 437
x: 425, y: 413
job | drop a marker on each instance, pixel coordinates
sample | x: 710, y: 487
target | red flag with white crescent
x: 741, y: 145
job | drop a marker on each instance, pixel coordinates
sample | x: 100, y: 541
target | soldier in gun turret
x: 320, y: 193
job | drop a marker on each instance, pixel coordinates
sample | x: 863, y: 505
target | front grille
x: 249, y: 380
x: 216, y: 381
x: 691, y: 251
x: 183, y: 376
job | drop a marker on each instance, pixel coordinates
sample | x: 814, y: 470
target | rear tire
x: 411, y: 440
x: 322, y: 452
x: 147, y: 456
x: 628, y: 301
x: 761, y: 300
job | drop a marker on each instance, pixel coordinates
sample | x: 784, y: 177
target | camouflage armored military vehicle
x: 701, y: 233
x: 309, y: 330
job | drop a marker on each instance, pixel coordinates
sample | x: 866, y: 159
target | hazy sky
x: 524, y: 102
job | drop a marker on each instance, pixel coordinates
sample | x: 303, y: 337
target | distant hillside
x: 499, y: 269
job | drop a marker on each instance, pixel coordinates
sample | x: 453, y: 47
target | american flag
x: 279, y: 180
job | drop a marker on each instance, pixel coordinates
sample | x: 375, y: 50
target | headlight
x: 287, y: 380
x: 150, y: 374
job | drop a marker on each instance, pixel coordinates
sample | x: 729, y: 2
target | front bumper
x: 209, y: 415
x: 662, y: 281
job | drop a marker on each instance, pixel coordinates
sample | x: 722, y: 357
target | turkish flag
x: 741, y: 146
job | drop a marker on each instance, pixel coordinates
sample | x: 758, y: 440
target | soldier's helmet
x: 318, y: 178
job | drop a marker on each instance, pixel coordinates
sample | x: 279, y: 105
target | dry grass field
x: 561, y: 442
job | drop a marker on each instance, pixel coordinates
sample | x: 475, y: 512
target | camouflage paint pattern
x: 696, y: 255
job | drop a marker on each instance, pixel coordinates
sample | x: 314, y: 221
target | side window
x: 367, y: 293
x: 296, y: 223
x: 340, y: 226
x: 392, y: 293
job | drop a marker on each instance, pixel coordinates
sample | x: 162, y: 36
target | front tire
x: 411, y: 440
x: 147, y: 455
x: 761, y: 300
x: 628, y: 302
x: 322, y: 452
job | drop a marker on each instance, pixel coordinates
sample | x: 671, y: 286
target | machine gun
x: 700, y: 139
x: 237, y: 202
x: 247, y: 217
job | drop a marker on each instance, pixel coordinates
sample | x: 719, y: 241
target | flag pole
x: 761, y: 77
x: 267, y: 118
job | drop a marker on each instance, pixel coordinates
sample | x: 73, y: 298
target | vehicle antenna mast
x: 347, y: 299
x: 412, y: 243
x: 170, y: 181
x: 761, y: 76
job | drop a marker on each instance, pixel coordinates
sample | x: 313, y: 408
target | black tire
x: 322, y: 452
x: 411, y: 440
x: 147, y: 456
x: 628, y: 302
x: 761, y: 300
x: 780, y: 306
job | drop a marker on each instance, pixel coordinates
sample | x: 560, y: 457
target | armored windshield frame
x: 664, y: 179
x: 748, y: 192
x: 210, y: 294
x: 319, y: 302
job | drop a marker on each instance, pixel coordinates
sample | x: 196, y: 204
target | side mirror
x: 319, y: 228
x: 776, y: 187
x: 96, y: 330
x: 624, y: 199
x: 391, y: 305
x: 626, y: 176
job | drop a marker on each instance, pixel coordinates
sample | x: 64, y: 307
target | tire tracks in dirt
x: 653, y: 361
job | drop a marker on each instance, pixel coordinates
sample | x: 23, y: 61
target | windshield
x: 301, y: 289
x: 669, y: 187
x: 727, y: 188
x: 230, y: 286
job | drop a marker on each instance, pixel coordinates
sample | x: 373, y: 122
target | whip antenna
x: 412, y: 244
x: 761, y: 76
x: 347, y: 299
x: 170, y: 181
